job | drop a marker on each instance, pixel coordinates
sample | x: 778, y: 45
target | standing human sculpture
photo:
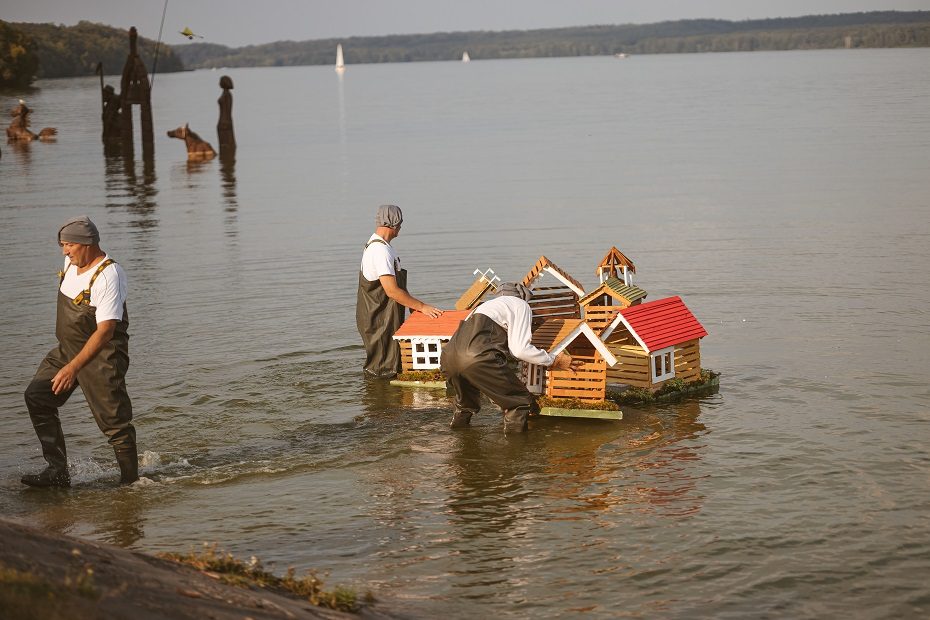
x: 224, y: 126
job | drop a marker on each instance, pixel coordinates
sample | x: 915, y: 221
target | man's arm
x: 65, y: 378
x: 389, y: 283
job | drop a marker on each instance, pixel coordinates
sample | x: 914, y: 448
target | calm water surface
x: 785, y: 196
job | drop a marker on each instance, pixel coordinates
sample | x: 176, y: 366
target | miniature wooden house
x: 589, y: 383
x: 556, y: 300
x: 478, y: 290
x: 654, y: 342
x: 421, y: 338
x: 601, y: 305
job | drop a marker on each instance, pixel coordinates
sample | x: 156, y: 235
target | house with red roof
x: 421, y: 338
x: 654, y: 342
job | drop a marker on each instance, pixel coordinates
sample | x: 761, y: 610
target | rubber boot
x: 52, y: 440
x: 515, y: 420
x: 128, y: 461
x: 461, y: 419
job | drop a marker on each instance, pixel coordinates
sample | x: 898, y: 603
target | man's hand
x: 564, y: 361
x: 64, y: 379
x: 431, y: 311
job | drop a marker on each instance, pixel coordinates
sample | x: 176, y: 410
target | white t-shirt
x: 109, y: 292
x: 516, y: 316
x: 379, y: 259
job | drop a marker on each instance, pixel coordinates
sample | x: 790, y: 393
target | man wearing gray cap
x: 382, y: 296
x: 476, y: 359
x: 92, y: 351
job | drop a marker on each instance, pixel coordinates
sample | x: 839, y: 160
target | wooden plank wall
x: 599, y: 317
x: 587, y: 383
x: 406, y: 355
x: 688, y: 360
x: 554, y: 302
x: 632, y: 367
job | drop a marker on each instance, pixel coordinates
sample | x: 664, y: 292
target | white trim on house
x: 666, y: 363
x: 562, y: 279
x: 584, y: 328
x: 426, y: 353
x: 613, y: 325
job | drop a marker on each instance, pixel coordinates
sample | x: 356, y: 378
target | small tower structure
x: 135, y: 90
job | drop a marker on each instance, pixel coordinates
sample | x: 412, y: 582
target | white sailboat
x: 340, y: 64
x: 465, y: 57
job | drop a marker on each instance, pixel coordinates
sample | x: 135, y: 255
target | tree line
x: 29, y: 51
x: 872, y: 29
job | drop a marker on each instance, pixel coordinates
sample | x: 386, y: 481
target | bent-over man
x: 92, y: 351
x: 382, y: 296
x: 476, y: 358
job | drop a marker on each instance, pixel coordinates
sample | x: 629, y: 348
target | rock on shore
x: 46, y: 575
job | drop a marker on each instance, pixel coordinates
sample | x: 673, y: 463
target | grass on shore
x: 246, y: 574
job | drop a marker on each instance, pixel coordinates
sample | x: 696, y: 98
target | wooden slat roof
x: 659, y: 324
x: 614, y: 258
x: 614, y: 286
x: 553, y: 331
x: 541, y: 265
x: 418, y: 325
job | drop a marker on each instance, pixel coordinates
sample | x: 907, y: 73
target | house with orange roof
x: 421, y: 338
x: 654, y: 342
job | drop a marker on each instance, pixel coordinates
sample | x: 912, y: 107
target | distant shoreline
x: 72, y: 51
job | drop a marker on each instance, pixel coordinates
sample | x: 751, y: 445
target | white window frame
x: 426, y: 353
x: 534, y: 378
x: 666, y: 362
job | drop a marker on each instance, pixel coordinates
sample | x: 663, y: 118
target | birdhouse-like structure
x: 601, y: 305
x: 588, y: 383
x: 654, y: 342
x: 555, y: 296
x: 421, y: 338
x: 478, y: 290
x: 621, y: 338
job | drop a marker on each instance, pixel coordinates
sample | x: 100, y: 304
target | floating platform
x: 601, y: 414
x: 422, y: 384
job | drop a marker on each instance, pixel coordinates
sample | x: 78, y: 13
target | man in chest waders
x: 476, y: 358
x: 382, y: 296
x: 92, y: 351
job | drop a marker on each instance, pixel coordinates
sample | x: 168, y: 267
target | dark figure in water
x: 224, y: 127
x: 112, y: 103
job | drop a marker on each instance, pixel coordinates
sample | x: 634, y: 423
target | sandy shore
x: 46, y: 575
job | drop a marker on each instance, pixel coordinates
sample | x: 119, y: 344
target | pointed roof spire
x: 613, y: 261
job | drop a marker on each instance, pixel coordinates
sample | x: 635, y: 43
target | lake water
x: 785, y: 196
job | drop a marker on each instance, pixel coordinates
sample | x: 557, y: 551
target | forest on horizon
x: 29, y: 51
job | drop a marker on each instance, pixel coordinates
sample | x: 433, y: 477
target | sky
x: 247, y: 22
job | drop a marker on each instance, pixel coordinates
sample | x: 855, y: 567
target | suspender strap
x: 84, y: 296
x: 376, y: 241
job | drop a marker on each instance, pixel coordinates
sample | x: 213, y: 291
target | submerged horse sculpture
x: 197, y: 148
x: 19, y: 128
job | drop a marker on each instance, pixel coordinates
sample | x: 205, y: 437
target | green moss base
x: 673, y: 390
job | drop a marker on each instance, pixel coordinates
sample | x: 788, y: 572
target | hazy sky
x: 244, y: 22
